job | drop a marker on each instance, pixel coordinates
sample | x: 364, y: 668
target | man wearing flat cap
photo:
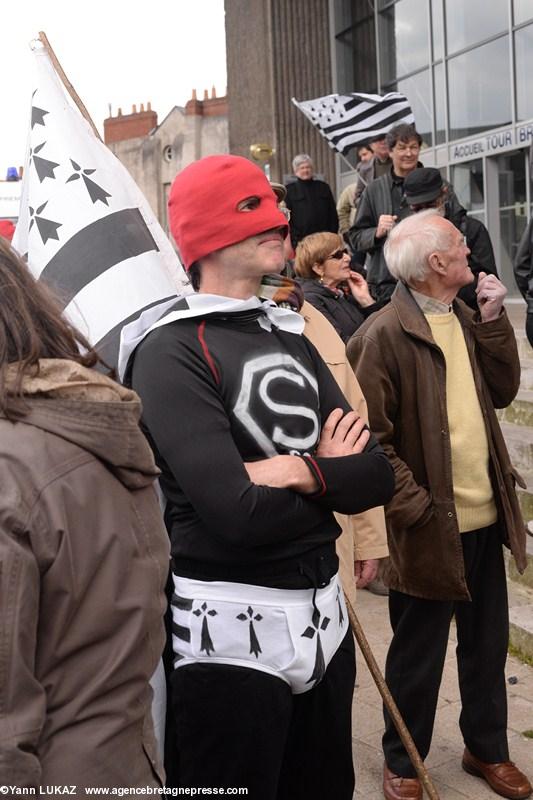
x: 424, y: 188
x: 257, y: 447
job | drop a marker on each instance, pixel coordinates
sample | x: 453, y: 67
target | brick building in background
x: 154, y: 153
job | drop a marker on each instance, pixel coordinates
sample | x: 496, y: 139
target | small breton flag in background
x: 84, y: 226
x: 346, y: 120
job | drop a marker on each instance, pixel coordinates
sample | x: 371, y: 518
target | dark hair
x: 31, y: 327
x: 195, y: 275
x: 402, y: 133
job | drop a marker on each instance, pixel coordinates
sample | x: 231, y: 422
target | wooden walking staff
x: 392, y: 708
x: 68, y: 86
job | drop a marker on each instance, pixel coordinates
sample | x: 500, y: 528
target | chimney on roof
x: 129, y: 126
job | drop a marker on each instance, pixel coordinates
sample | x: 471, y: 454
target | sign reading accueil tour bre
x: 507, y: 139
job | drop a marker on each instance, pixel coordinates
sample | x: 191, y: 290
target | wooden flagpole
x: 392, y: 708
x: 68, y: 86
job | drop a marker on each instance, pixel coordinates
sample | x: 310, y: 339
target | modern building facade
x: 466, y: 67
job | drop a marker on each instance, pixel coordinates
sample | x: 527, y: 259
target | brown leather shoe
x: 397, y: 788
x: 504, y: 778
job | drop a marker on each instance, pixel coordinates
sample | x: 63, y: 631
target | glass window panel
x: 418, y: 92
x: 403, y: 36
x: 472, y: 21
x: 513, y: 211
x: 440, y: 104
x: 524, y: 70
x: 523, y: 10
x: 467, y: 181
x: 512, y: 226
x: 512, y: 178
x: 355, y: 51
x: 438, y: 33
x: 484, y: 103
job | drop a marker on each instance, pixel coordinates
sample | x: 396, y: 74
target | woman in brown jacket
x: 83, y: 559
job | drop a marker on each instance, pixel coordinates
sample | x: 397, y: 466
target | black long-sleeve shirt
x: 217, y: 392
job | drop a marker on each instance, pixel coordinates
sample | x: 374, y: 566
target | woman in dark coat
x: 342, y: 295
x: 84, y: 557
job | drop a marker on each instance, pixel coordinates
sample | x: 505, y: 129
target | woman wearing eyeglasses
x: 342, y: 295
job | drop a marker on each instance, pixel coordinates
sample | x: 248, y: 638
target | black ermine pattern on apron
x: 206, y: 643
x: 319, y: 668
x: 255, y: 647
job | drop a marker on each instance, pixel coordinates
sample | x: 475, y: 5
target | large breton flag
x: 84, y: 226
x: 346, y: 120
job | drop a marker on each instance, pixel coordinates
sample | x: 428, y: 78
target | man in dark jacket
x: 425, y: 188
x: 432, y: 372
x: 380, y: 207
x: 310, y: 201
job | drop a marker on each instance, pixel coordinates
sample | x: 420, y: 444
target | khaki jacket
x: 83, y: 562
x: 403, y: 375
x: 363, y: 535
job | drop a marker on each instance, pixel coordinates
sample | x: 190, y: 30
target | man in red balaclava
x: 257, y: 448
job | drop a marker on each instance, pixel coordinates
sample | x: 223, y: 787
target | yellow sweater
x: 474, y: 501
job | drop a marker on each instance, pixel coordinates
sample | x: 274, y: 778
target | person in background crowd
x: 424, y: 188
x: 323, y: 267
x: 373, y: 168
x: 455, y: 503
x: 346, y: 203
x: 7, y: 229
x: 523, y: 272
x: 310, y: 202
x: 380, y: 207
x: 257, y: 447
x: 84, y: 557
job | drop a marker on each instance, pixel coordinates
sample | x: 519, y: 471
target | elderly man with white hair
x: 433, y: 371
x: 310, y: 201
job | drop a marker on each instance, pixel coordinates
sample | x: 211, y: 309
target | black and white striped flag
x: 346, y: 120
x: 84, y: 225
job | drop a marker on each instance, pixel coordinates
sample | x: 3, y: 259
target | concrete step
x: 521, y: 618
x: 526, y: 378
x: 526, y: 579
x: 520, y: 412
x: 525, y: 496
x: 519, y: 442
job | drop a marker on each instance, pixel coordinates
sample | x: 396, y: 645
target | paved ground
x: 444, y: 760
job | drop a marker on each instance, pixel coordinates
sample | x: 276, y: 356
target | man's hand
x: 282, y: 472
x: 490, y: 296
x: 365, y: 572
x: 342, y: 435
x: 385, y: 223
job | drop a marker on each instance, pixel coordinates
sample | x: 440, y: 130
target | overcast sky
x: 117, y: 52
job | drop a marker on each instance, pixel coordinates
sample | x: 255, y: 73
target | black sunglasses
x: 338, y: 254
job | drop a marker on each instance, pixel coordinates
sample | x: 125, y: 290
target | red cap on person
x: 203, y: 206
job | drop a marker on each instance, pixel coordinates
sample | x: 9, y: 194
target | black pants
x: 415, y: 660
x: 238, y: 727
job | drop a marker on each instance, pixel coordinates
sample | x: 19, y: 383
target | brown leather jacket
x: 402, y: 373
x: 83, y: 562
